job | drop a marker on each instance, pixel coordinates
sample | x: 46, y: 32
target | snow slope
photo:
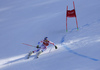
x: 24, y: 21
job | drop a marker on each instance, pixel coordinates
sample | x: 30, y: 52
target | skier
x: 43, y: 47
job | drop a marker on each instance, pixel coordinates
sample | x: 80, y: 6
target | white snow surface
x: 29, y: 21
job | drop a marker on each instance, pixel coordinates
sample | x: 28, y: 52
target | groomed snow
x: 24, y: 21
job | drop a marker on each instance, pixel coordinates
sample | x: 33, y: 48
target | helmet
x: 46, y: 38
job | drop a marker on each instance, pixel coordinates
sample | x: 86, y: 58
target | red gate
x: 71, y: 13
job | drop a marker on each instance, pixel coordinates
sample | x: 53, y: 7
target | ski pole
x: 28, y: 45
x: 50, y: 49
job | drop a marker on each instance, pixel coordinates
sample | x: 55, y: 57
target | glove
x: 55, y: 47
x: 37, y: 46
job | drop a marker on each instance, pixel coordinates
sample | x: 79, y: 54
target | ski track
x: 72, y: 51
x: 13, y: 60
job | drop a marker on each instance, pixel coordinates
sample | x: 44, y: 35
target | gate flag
x: 71, y: 13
